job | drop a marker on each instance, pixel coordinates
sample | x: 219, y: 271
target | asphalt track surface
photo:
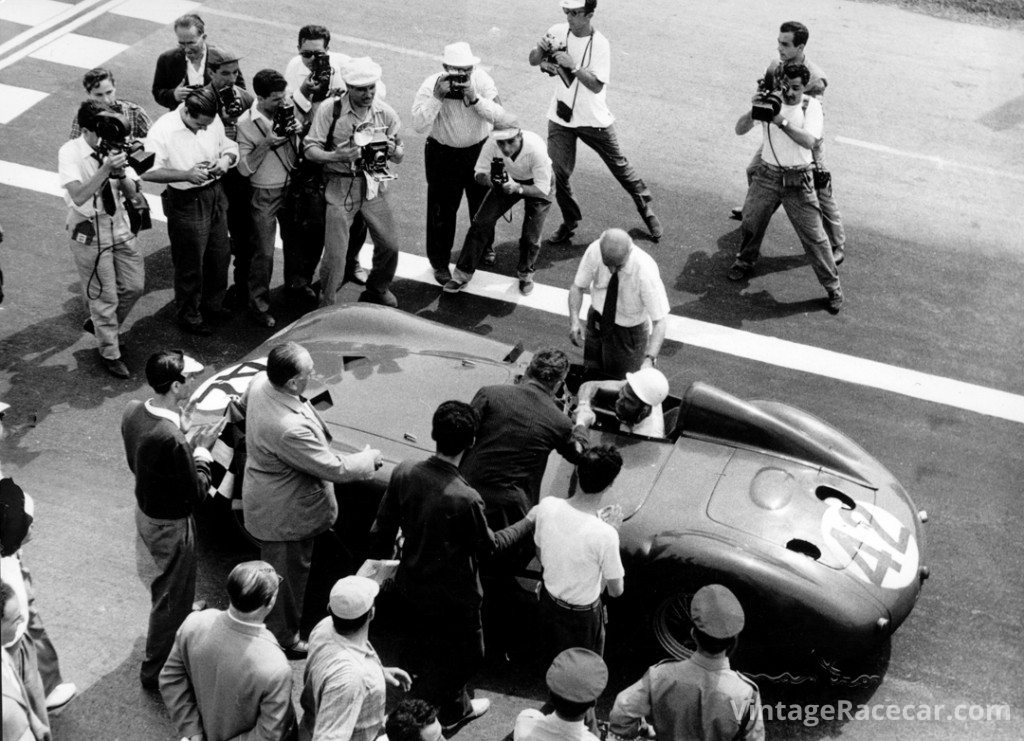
x: 924, y: 137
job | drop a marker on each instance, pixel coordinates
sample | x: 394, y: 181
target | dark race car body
x: 820, y: 543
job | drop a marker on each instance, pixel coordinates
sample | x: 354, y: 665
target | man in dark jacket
x: 184, y: 67
x: 172, y: 475
x: 445, y: 537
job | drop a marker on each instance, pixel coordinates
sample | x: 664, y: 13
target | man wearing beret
x: 701, y: 697
x: 351, y: 189
x: 576, y: 678
x: 345, y: 686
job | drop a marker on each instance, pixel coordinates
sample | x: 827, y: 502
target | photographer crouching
x: 105, y: 212
x: 792, y: 124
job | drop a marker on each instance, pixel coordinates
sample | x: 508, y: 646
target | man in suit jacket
x: 226, y: 677
x: 180, y: 69
x: 287, y: 496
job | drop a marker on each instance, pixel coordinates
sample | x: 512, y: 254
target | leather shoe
x: 490, y: 257
x: 296, y: 651
x: 654, y: 226
x: 357, y: 275
x: 738, y: 272
x: 563, y: 233
x: 88, y: 326
x: 116, y: 367
x: 384, y: 299
x: 264, y: 319
x: 454, y: 286
x: 200, y: 329
x: 480, y: 706
x: 839, y: 255
x: 526, y: 286
x: 835, y: 301
x: 61, y: 695
x: 442, y: 275
x: 736, y: 214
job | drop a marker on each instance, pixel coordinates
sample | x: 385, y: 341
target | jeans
x: 562, y: 150
x: 112, y: 279
x: 449, y: 173
x: 481, y: 232
x: 345, y: 201
x: 198, y: 229
x: 172, y: 544
x: 831, y: 219
x: 765, y: 194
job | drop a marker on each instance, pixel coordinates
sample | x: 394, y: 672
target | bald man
x: 628, y: 306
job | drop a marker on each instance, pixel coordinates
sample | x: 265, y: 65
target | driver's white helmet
x: 649, y: 384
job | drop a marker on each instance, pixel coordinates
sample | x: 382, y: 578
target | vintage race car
x: 820, y: 543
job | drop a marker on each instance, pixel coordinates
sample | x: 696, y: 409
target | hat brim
x: 465, y: 62
x: 191, y: 366
x: 503, y: 135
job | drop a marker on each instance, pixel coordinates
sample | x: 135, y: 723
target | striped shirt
x: 344, y: 692
x: 135, y: 115
x: 451, y: 122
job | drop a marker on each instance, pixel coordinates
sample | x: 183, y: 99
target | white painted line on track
x: 57, y: 33
x: 939, y: 161
x: 56, y: 20
x: 735, y: 342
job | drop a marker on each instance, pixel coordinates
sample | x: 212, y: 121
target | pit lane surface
x: 928, y: 175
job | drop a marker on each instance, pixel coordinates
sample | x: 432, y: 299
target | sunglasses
x: 310, y: 54
x: 575, y: 13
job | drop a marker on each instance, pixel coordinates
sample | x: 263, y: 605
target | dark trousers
x: 239, y: 195
x: 345, y: 202
x: 450, y: 172
x: 198, y: 229
x: 481, y: 231
x: 302, y: 252
x: 570, y: 627
x: 617, y: 353
x: 562, y: 150
x: 291, y: 559
x: 172, y: 544
x: 268, y: 211
x: 443, y: 647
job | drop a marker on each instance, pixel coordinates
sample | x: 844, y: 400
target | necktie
x: 611, y: 300
x: 107, y: 196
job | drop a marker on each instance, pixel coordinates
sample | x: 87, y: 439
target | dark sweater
x: 169, y: 482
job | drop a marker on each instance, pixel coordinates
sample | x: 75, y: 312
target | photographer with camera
x: 96, y: 179
x: 793, y: 37
x: 458, y: 107
x: 184, y: 68
x: 100, y: 86
x: 516, y: 166
x: 234, y: 101
x: 785, y: 175
x: 580, y: 57
x: 268, y: 143
x: 356, y: 173
x: 192, y: 155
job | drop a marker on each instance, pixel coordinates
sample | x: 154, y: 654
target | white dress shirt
x: 179, y: 148
x: 642, y: 295
x: 75, y: 162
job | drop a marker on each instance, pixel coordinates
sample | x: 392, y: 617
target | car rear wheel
x: 671, y: 624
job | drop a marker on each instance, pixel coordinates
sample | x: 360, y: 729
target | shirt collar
x: 711, y: 663
x: 365, y: 647
x: 243, y: 623
x: 256, y: 113
x: 165, y: 413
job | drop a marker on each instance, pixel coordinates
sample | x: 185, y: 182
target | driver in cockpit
x: 636, y: 402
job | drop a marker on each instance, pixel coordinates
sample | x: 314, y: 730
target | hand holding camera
x: 767, y: 101
x: 458, y: 82
x: 199, y: 174
x: 499, y: 177
x: 285, y: 124
x: 113, y: 164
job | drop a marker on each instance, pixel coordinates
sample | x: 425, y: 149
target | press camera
x: 499, y: 176
x: 373, y: 152
x: 458, y: 81
x: 231, y: 104
x: 768, y: 98
x: 115, y: 138
x: 284, y: 120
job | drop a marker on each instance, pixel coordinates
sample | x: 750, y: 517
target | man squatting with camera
x: 793, y: 37
x: 581, y: 58
x: 356, y: 173
x: 785, y: 175
x: 458, y: 107
x: 516, y: 166
x: 98, y: 184
x: 192, y: 154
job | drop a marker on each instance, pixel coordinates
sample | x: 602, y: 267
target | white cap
x: 505, y: 130
x: 191, y: 366
x: 459, y: 55
x: 4, y: 407
x: 573, y: 4
x: 649, y: 385
x: 352, y: 597
x: 360, y: 72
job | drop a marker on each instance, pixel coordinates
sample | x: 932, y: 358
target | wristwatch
x: 652, y: 358
x: 784, y: 124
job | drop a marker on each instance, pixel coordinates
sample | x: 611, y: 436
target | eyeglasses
x: 575, y: 13
x: 310, y: 54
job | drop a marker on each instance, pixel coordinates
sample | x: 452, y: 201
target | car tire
x: 671, y: 619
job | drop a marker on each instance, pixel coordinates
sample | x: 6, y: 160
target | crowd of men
x: 308, y: 154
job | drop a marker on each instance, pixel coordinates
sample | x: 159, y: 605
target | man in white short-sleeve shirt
x: 579, y: 553
x: 625, y: 334
x: 103, y: 243
x: 192, y: 155
x: 580, y: 57
x: 785, y: 177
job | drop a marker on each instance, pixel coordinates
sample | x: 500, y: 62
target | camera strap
x: 587, y: 52
x: 768, y: 129
x: 288, y: 170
